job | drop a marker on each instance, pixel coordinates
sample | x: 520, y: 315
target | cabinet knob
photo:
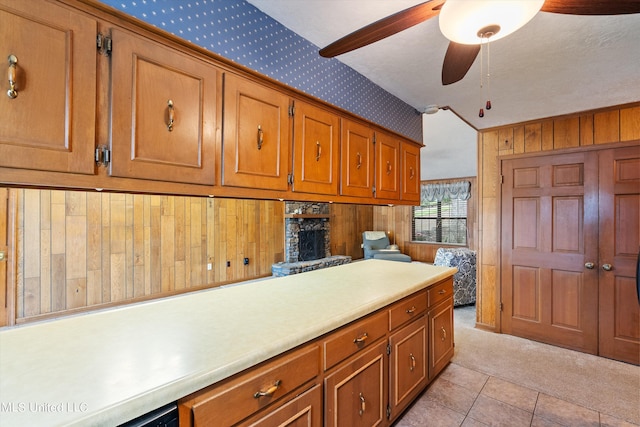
x: 12, y: 92
x: 388, y: 167
x: 269, y: 391
x: 318, y: 150
x: 589, y: 265
x: 360, y: 339
x: 358, y: 160
x: 171, y: 115
x: 411, y: 310
x: 607, y: 267
x: 260, y: 137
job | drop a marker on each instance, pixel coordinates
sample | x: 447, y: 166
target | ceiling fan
x: 462, y: 52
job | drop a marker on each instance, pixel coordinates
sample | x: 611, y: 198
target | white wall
x: 450, y: 150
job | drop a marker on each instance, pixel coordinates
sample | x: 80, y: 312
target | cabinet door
x: 164, y: 109
x: 619, y: 240
x: 315, y: 150
x: 357, y: 160
x: 440, y: 337
x: 48, y: 123
x: 408, y: 364
x: 304, y: 410
x: 410, y: 160
x: 257, y: 135
x: 355, y: 394
x: 387, y: 167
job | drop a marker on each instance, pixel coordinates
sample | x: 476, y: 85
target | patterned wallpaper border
x: 242, y: 33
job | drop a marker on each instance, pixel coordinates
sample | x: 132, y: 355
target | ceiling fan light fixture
x: 464, y: 21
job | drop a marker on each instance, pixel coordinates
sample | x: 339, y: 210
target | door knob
x: 607, y: 267
x: 589, y: 265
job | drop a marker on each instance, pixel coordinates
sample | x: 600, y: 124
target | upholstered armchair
x: 376, y: 245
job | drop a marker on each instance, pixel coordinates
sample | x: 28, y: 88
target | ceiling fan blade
x: 383, y: 28
x: 457, y: 61
x: 592, y: 7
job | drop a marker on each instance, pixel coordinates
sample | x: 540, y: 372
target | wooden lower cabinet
x: 355, y: 394
x: 362, y: 374
x: 238, y: 398
x: 440, y: 321
x: 408, y: 366
x: 304, y: 410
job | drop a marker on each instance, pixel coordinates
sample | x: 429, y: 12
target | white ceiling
x: 554, y: 65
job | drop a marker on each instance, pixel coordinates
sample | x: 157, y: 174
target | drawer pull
x: 363, y: 405
x: 412, y: 361
x: 362, y: 338
x: 442, y: 292
x: 318, y: 150
x: 411, y: 310
x: 171, y: 115
x: 443, y: 334
x: 388, y: 167
x: 269, y: 392
x: 12, y: 92
x: 358, y: 160
x: 260, y: 137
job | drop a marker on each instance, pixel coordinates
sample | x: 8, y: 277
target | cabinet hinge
x: 373, y: 190
x: 501, y: 306
x: 104, y: 44
x: 501, y: 179
x: 388, y: 411
x: 102, y: 155
x: 374, y: 138
x: 290, y: 179
x: 388, y: 349
x: 292, y: 110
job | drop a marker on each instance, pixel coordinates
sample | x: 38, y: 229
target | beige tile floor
x: 464, y: 397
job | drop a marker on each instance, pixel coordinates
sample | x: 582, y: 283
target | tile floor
x: 467, y: 398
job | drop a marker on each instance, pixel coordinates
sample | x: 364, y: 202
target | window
x: 442, y: 215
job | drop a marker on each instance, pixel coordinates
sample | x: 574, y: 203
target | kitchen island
x: 110, y: 366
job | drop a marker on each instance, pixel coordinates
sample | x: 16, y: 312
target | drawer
x: 349, y: 340
x: 407, y: 309
x: 231, y: 401
x: 440, y: 292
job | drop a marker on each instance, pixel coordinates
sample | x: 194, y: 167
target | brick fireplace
x: 307, y: 223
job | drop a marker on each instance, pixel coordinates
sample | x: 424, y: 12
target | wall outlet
x: 246, y: 261
x: 209, y: 266
x: 228, y: 263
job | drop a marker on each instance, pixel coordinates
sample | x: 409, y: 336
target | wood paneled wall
x: 81, y: 249
x: 614, y: 125
x: 397, y: 220
x: 347, y: 223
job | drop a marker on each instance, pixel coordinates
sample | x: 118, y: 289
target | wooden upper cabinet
x: 387, y: 166
x: 410, y: 179
x: 257, y: 135
x: 164, y: 112
x: 49, y: 122
x: 316, y: 143
x: 357, y: 161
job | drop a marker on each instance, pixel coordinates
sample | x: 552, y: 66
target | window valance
x: 451, y: 190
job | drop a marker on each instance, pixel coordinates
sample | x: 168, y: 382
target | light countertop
x: 109, y: 366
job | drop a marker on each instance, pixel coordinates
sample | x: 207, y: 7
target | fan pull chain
x: 481, y: 112
x: 488, y: 105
